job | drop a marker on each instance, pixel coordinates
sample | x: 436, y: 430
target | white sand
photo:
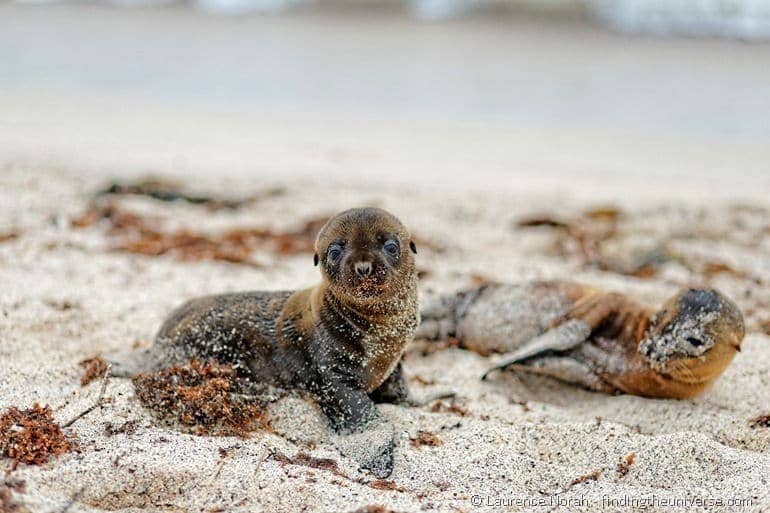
x: 701, y: 449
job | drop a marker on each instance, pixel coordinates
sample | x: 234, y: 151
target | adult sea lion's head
x: 366, y: 254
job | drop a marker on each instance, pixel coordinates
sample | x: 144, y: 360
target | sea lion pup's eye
x: 391, y: 247
x: 334, y: 253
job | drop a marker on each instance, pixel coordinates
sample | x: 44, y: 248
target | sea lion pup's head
x: 366, y: 255
x: 694, y: 336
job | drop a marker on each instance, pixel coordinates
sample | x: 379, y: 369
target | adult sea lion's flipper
x: 562, y: 338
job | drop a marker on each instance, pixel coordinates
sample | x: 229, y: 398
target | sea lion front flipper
x: 562, y: 338
x: 361, y: 433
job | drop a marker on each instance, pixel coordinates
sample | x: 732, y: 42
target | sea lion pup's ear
x: 412, y: 247
x: 315, y: 259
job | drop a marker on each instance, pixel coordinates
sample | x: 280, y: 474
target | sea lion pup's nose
x: 363, y: 268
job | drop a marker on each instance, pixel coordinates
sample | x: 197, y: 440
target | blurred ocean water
x: 736, y: 19
x: 368, y: 91
x: 742, y: 19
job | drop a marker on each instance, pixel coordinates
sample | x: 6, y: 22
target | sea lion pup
x: 342, y: 339
x: 602, y: 341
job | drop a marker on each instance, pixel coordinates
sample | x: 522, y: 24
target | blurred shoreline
x: 475, y: 103
x: 747, y: 20
x: 740, y: 19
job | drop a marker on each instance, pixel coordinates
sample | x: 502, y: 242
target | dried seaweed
x: 169, y: 191
x: 418, y: 378
x: 713, y: 268
x: 95, y: 368
x: 329, y: 465
x: 61, y: 306
x: 760, y: 421
x: 541, y: 220
x: 590, y: 236
x: 604, y: 213
x: 625, y: 465
x: 582, y: 235
x: 591, y: 476
x: 305, y: 460
x: 451, y: 406
x: 136, y: 234
x: 9, y: 236
x: 31, y: 436
x: 143, y: 235
x: 385, y: 484
x: 373, y: 508
x: 204, y: 396
x: 127, y: 428
x: 423, y: 438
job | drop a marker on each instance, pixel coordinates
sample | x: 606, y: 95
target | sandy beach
x: 68, y: 296
x: 665, y: 178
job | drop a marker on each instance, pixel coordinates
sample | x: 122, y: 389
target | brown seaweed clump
x: 625, y: 465
x: 374, y: 508
x: 202, y: 395
x: 8, y: 236
x: 94, y: 368
x: 31, y: 436
x: 452, y: 406
x: 136, y: 234
x: 162, y: 190
x: 425, y: 438
x: 306, y: 460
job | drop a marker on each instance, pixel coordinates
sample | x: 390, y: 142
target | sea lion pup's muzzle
x: 365, y: 254
x: 695, y: 328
